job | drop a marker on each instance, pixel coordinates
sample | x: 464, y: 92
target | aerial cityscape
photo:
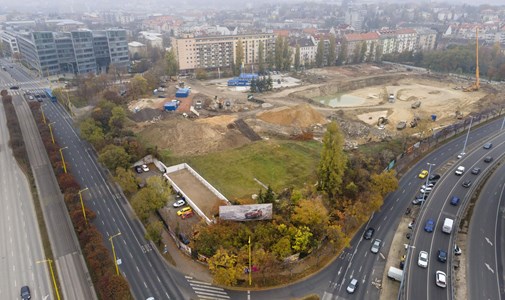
x: 257, y: 150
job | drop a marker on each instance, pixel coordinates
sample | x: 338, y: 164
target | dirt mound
x: 302, y: 115
x: 146, y: 114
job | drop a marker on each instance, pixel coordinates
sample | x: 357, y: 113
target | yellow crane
x: 476, y: 85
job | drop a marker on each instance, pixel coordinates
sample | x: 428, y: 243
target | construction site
x: 370, y: 102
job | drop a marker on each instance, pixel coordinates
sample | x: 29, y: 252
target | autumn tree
x: 297, y: 57
x: 332, y: 53
x: 337, y: 237
x: 172, y: 64
x: 114, y: 157
x: 332, y: 163
x: 261, y: 57
x: 239, y: 57
x: 138, y: 86
x: 320, y: 53
x: 127, y: 180
x: 117, y: 120
x: 286, y: 55
x: 153, y: 231
x: 311, y: 213
x: 302, y: 239
x: 225, y: 267
x: 114, y: 287
x: 278, y: 52
x: 91, y: 132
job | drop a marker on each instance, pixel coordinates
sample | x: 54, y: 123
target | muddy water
x: 340, y: 100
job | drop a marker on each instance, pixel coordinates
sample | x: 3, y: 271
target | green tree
x: 239, y: 57
x: 261, y: 57
x: 278, y: 52
x: 337, y: 237
x: 342, y: 54
x: 302, y: 239
x: 332, y: 54
x: 153, y: 232
x: 171, y: 63
x: 253, y: 87
x: 297, y: 57
x: 282, y: 248
x: 357, y: 53
x: 117, y: 119
x: 91, y: 132
x: 138, y: 86
x: 141, y: 203
x: 270, y: 59
x: 286, y: 55
x: 363, y: 53
x: 160, y: 189
x: 225, y: 267
x: 114, y: 157
x: 384, y: 183
x: 201, y: 74
x: 333, y: 162
x: 320, y: 53
x: 127, y: 180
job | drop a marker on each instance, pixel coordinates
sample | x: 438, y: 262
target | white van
x: 395, y: 273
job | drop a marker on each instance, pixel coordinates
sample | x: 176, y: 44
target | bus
x: 49, y: 94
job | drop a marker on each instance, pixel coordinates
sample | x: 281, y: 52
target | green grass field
x: 279, y: 164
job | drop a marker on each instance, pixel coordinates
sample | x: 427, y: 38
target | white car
x: 179, y: 203
x: 353, y: 284
x: 422, y: 261
x: 426, y: 190
x: 376, y: 246
x: 145, y: 168
x: 460, y: 170
x: 441, y: 279
x: 461, y: 154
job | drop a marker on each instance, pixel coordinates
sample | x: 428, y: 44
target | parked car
x: 475, y: 171
x: 455, y: 200
x: 487, y: 145
x: 423, y: 174
x: 411, y: 224
x: 179, y: 203
x: 353, y: 285
x: 429, y: 185
x: 442, y: 255
x: 429, y: 225
x: 434, y: 177
x: 457, y: 250
x: 145, y: 168
x: 422, y: 261
x: 426, y: 190
x: 488, y: 159
x: 187, y: 214
x: 183, y: 238
x: 253, y: 214
x: 138, y: 169
x: 467, y: 183
x: 376, y: 246
x: 368, y: 233
x: 185, y: 209
x: 440, y: 279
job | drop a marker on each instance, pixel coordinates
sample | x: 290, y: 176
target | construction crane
x: 476, y: 85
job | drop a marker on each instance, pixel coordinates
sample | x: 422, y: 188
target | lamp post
x: 82, y: 205
x: 250, y: 267
x: 467, y: 134
x: 63, y: 159
x: 51, y: 130
x: 114, y: 251
x: 407, y: 247
x: 52, y: 275
x: 43, y: 115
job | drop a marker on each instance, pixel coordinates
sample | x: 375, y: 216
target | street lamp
x: 52, y: 275
x: 250, y: 267
x: 43, y: 115
x: 63, y: 159
x: 407, y: 247
x: 466, y: 139
x: 114, y: 251
x: 51, y: 130
x: 82, y: 205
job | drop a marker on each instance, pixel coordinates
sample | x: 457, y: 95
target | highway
x: 21, y: 246
x: 420, y: 282
x: 486, y: 241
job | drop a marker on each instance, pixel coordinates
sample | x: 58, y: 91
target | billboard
x: 246, y: 212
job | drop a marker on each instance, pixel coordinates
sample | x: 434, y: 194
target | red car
x: 253, y: 214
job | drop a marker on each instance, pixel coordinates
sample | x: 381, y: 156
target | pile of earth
x: 301, y: 116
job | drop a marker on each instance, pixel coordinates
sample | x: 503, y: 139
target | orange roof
x: 405, y: 31
x: 281, y: 32
x: 361, y: 36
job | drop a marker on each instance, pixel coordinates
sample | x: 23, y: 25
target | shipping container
x: 170, y: 106
x: 182, y: 93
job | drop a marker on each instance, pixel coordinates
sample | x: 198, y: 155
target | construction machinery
x: 476, y: 85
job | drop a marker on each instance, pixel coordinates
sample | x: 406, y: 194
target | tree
x: 342, y: 55
x: 127, y: 180
x: 225, y: 267
x: 253, y: 87
x: 117, y: 119
x: 337, y: 237
x: 332, y: 54
x: 302, y: 239
x: 333, y: 162
x: 311, y: 213
x: 297, y: 57
x: 270, y: 59
x: 138, y: 86
x: 114, y: 157
x: 363, y: 54
x: 239, y: 57
x: 282, y: 248
x: 91, y: 132
x: 320, y: 53
x: 286, y: 55
x: 114, y: 287
x: 201, y: 74
x: 278, y: 52
x: 261, y: 57
x: 357, y: 53
x: 384, y: 183
x: 153, y: 231
x: 171, y: 63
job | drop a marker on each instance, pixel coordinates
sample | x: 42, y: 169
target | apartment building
x: 308, y: 50
x: 355, y: 43
x: 80, y: 52
x: 10, y: 44
x: 211, y: 52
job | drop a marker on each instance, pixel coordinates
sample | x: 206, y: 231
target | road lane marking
x: 489, y: 268
x: 488, y: 241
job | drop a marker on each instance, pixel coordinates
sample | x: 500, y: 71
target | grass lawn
x: 279, y: 164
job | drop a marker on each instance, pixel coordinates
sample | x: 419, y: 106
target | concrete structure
x: 355, y: 42
x: 426, y: 39
x: 137, y: 50
x: 219, y: 51
x: 10, y: 44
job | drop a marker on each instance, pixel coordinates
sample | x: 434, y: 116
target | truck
x: 447, y: 227
x: 395, y: 274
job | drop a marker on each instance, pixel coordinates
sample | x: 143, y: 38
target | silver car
x: 376, y: 246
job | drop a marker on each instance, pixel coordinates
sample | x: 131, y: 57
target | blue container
x: 182, y: 93
x: 170, y: 106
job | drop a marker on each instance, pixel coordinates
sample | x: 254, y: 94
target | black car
x: 434, y: 177
x: 183, y: 238
x: 475, y: 171
x: 14, y: 87
x: 488, y: 145
x: 488, y: 159
x: 368, y: 233
x: 467, y: 183
x: 442, y: 256
x: 25, y: 293
x: 138, y: 169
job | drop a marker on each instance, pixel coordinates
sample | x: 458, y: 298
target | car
x: 422, y: 261
x: 411, y: 224
x: 185, y: 209
x: 138, y: 169
x: 418, y: 201
x: 442, y: 255
x: 376, y: 245
x: 455, y: 200
x: 253, y: 214
x: 423, y: 174
x: 440, y: 279
x: 187, y: 214
x: 179, y: 203
x: 183, y: 238
x: 475, y: 171
x: 434, y: 177
x: 150, y: 298
x: 430, y: 185
x: 30, y: 97
x: 460, y: 170
x: 43, y: 95
x: 14, y: 87
x: 461, y: 154
x: 37, y: 96
x: 25, y: 293
x: 487, y: 146
x: 429, y: 225
x: 352, y: 286
x: 457, y: 250
x: 145, y: 168
x: 467, y: 183
x: 368, y: 233
x: 426, y: 190
x: 488, y: 159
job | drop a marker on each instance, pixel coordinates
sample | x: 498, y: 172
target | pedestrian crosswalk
x: 24, y: 88
x: 205, y: 290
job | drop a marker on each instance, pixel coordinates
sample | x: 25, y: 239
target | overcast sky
x: 57, y: 6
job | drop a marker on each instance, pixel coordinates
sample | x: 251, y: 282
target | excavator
x: 476, y: 85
